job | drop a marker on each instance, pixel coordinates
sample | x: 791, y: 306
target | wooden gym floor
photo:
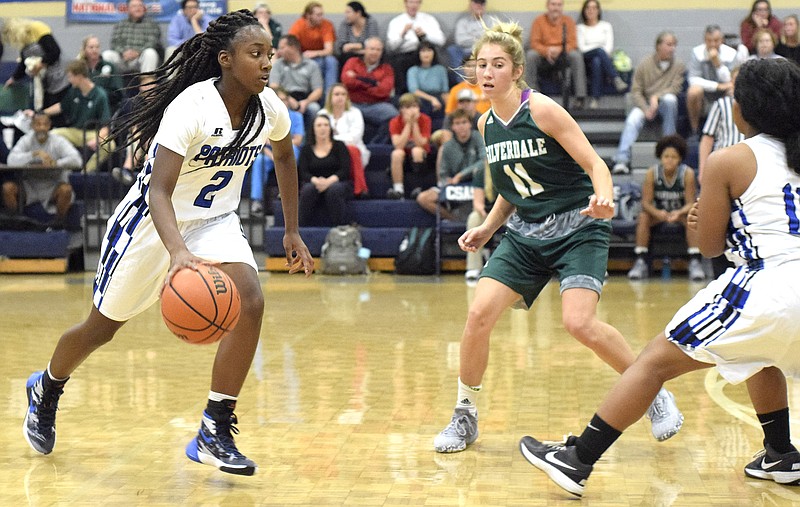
x: 353, y: 379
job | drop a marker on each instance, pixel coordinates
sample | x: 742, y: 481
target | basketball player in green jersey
x: 555, y: 196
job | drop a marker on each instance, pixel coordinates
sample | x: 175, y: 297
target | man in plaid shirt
x: 134, y: 41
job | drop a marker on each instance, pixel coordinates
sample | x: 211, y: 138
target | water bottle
x: 666, y: 270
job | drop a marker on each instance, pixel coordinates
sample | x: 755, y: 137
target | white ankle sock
x: 467, y: 396
x: 220, y: 397
x: 52, y: 377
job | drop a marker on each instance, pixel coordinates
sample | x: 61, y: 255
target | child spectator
x: 461, y: 156
x: 668, y: 193
x: 86, y: 114
x: 482, y: 104
x: 411, y: 133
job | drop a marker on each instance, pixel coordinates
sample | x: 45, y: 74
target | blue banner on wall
x: 99, y: 11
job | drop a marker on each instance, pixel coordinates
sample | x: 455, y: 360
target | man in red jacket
x: 370, y: 82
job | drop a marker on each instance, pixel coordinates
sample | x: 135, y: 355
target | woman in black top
x: 324, y: 168
x: 789, y: 46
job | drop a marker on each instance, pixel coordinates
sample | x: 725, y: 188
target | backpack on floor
x: 340, y: 252
x: 627, y: 201
x: 417, y: 254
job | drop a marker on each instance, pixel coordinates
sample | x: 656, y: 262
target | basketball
x: 202, y: 306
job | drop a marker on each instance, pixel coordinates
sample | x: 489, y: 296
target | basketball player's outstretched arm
x: 166, y: 167
x: 297, y: 255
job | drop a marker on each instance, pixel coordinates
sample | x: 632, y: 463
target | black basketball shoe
x: 39, y: 427
x: 559, y: 461
x: 773, y: 466
x: 214, y: 446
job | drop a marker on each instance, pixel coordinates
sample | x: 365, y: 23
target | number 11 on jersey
x: 523, y: 183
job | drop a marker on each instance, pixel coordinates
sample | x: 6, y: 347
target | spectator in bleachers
x: 348, y: 126
x: 104, y: 74
x: 468, y: 28
x: 370, y: 82
x: 461, y: 156
x: 428, y: 81
x: 765, y: 42
x: 789, y: 45
x: 185, y: 24
x: 466, y: 103
x: 403, y: 36
x: 668, y: 193
x: 50, y: 187
x: 760, y: 17
x: 86, y: 114
x: 483, y: 197
x: 411, y: 133
x: 482, y: 104
x: 263, y: 14
x: 657, y: 81
x: 39, y: 57
x: 317, y: 36
x: 709, y: 74
x: 356, y: 27
x: 299, y: 76
x: 264, y: 163
x: 135, y: 42
x: 324, y: 170
x: 596, y: 42
x: 135, y: 153
x: 719, y: 131
x: 554, y: 45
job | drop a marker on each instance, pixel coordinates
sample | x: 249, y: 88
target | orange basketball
x: 200, y: 306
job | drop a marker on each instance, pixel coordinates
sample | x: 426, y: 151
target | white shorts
x: 743, y: 321
x: 134, y: 261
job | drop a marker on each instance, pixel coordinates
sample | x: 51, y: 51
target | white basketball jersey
x: 765, y: 220
x: 197, y: 126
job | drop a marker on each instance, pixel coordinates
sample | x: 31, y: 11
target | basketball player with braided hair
x: 745, y: 321
x: 205, y: 120
x: 555, y: 196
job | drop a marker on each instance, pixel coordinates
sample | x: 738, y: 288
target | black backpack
x: 340, y: 252
x: 417, y: 254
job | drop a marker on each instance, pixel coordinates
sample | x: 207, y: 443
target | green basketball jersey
x: 531, y: 170
x: 668, y: 195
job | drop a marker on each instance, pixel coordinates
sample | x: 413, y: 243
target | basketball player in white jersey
x: 745, y: 321
x: 205, y: 120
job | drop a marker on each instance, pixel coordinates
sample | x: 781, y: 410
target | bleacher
x: 384, y: 223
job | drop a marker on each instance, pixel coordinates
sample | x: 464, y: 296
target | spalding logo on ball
x: 200, y: 306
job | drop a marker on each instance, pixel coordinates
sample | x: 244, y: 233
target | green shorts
x: 525, y: 265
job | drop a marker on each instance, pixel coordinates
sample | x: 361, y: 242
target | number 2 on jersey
x: 206, y: 195
x: 525, y: 186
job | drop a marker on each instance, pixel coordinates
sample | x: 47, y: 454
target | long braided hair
x: 195, y: 60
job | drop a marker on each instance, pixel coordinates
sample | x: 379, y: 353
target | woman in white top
x: 348, y: 126
x: 596, y: 41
